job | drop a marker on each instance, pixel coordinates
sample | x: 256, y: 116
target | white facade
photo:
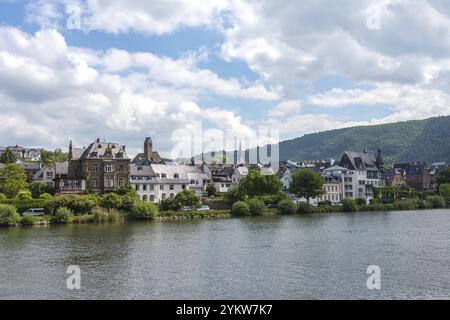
x: 238, y: 174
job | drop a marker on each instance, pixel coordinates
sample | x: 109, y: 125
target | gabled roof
x: 360, y: 160
x: 101, y: 150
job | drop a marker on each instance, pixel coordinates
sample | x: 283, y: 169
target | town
x: 104, y: 170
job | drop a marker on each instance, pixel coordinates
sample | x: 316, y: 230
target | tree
x: 187, y: 198
x: 349, y: 205
x: 211, y: 190
x: 255, y: 184
x: 307, y: 184
x: 8, y: 157
x: 50, y: 157
x: 232, y: 196
x: 286, y: 206
x: 12, y: 180
x: 444, y: 191
x: 256, y: 206
x: 39, y: 187
x: 240, y: 208
x: 144, y: 210
x: 443, y: 176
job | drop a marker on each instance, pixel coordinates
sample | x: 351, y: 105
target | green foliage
x: 8, y: 157
x: 436, y: 201
x: 402, y: 141
x: 274, y: 199
x: 39, y: 187
x: 62, y: 215
x: 256, y: 185
x: 29, y: 220
x: 8, y: 215
x: 360, y: 202
x: 443, y: 176
x: 349, y: 205
x: 170, y: 205
x: 24, y: 195
x: 187, y: 198
x: 211, y: 190
x: 407, y: 204
x: 232, y: 196
x: 286, y: 206
x: 45, y: 196
x: 304, y: 207
x: 111, y: 201
x: 2, y: 197
x: 325, y: 203
x: 24, y: 205
x: 307, y: 184
x: 256, y: 206
x: 13, y: 180
x: 50, y: 157
x: 143, y: 210
x: 103, y: 215
x: 77, y: 203
x: 444, y: 192
x: 240, y: 208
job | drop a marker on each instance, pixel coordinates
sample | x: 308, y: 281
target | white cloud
x: 286, y: 109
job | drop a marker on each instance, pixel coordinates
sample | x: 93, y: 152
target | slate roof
x: 100, y: 150
x: 141, y: 159
x: 361, y: 160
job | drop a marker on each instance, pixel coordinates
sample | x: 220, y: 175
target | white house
x: 238, y: 173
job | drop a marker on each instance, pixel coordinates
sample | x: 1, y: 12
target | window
x: 144, y: 197
x: 171, y: 187
x: 121, y: 182
x: 137, y: 187
x: 163, y: 196
x: 95, y: 167
x: 121, y: 168
x: 152, y: 198
x: 108, y: 167
x: 172, y: 196
x: 183, y: 186
x: 144, y: 187
x: 161, y: 187
x: 151, y: 187
x: 176, y: 176
x: 49, y: 175
x: 95, y: 183
x: 163, y: 175
x: 109, y: 183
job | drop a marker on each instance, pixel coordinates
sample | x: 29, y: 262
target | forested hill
x: 417, y: 140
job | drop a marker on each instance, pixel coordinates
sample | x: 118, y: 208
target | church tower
x: 148, y: 148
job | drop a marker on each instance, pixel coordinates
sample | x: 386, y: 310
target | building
x: 30, y: 169
x: 332, y: 190
x: 221, y: 176
x: 364, y: 172
x: 238, y: 173
x: 49, y: 173
x: 149, y: 156
x: 101, y: 168
x: 416, y: 175
x: 23, y: 154
x: 394, y: 177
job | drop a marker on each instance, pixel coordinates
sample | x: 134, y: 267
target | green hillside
x: 416, y: 140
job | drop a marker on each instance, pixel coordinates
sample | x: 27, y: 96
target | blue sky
x: 131, y: 69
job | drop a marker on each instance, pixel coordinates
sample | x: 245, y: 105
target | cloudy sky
x: 123, y: 70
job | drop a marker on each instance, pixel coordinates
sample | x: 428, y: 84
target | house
x: 416, y: 175
x: 101, y: 168
x: 30, y: 169
x: 221, y: 176
x: 148, y: 156
x: 364, y: 172
x: 238, y: 173
x: 50, y: 172
x: 394, y: 177
x: 23, y: 154
x: 332, y: 190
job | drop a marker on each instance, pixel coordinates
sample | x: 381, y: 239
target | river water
x: 292, y: 257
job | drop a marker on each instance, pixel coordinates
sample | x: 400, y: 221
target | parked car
x: 34, y: 212
x: 203, y: 208
x: 271, y: 206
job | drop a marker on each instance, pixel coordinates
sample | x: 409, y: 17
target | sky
x: 123, y: 70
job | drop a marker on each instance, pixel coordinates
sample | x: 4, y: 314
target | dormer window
x: 163, y: 175
x: 99, y: 146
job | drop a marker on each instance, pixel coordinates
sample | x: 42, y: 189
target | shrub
x: 256, y: 206
x: 407, y: 204
x: 211, y: 190
x: 24, y: 195
x: 111, y: 201
x: 349, y: 205
x: 29, y: 220
x: 424, y: 204
x: 102, y: 215
x: 436, y: 201
x: 240, y: 208
x: 62, y: 215
x: 324, y: 203
x: 2, y: 196
x: 45, y: 196
x: 304, y: 207
x: 76, y: 203
x: 143, y: 210
x: 38, y: 188
x: 233, y: 196
x: 377, y: 206
x: 444, y: 192
x: 170, y: 205
x: 8, y: 215
x: 24, y: 205
x: 286, y: 207
x: 187, y: 198
x: 360, y: 202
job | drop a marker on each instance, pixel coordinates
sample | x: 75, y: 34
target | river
x: 272, y: 257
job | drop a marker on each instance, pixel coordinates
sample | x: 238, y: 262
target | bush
x: 324, y: 203
x: 256, y: 206
x: 304, y: 207
x: 407, y: 204
x: 76, y: 203
x: 444, y: 192
x: 240, y: 208
x: 38, y: 188
x: 286, y: 207
x: 111, y: 201
x: 377, y: 206
x: 436, y: 201
x: 170, y: 205
x: 211, y: 190
x: 45, y: 196
x: 187, y: 198
x: 24, y: 205
x: 24, y: 195
x: 360, y: 202
x: 62, y: 215
x: 143, y: 210
x: 102, y: 215
x: 232, y: 196
x: 424, y: 204
x: 3, y: 197
x: 349, y: 205
x: 8, y: 215
x: 29, y: 220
